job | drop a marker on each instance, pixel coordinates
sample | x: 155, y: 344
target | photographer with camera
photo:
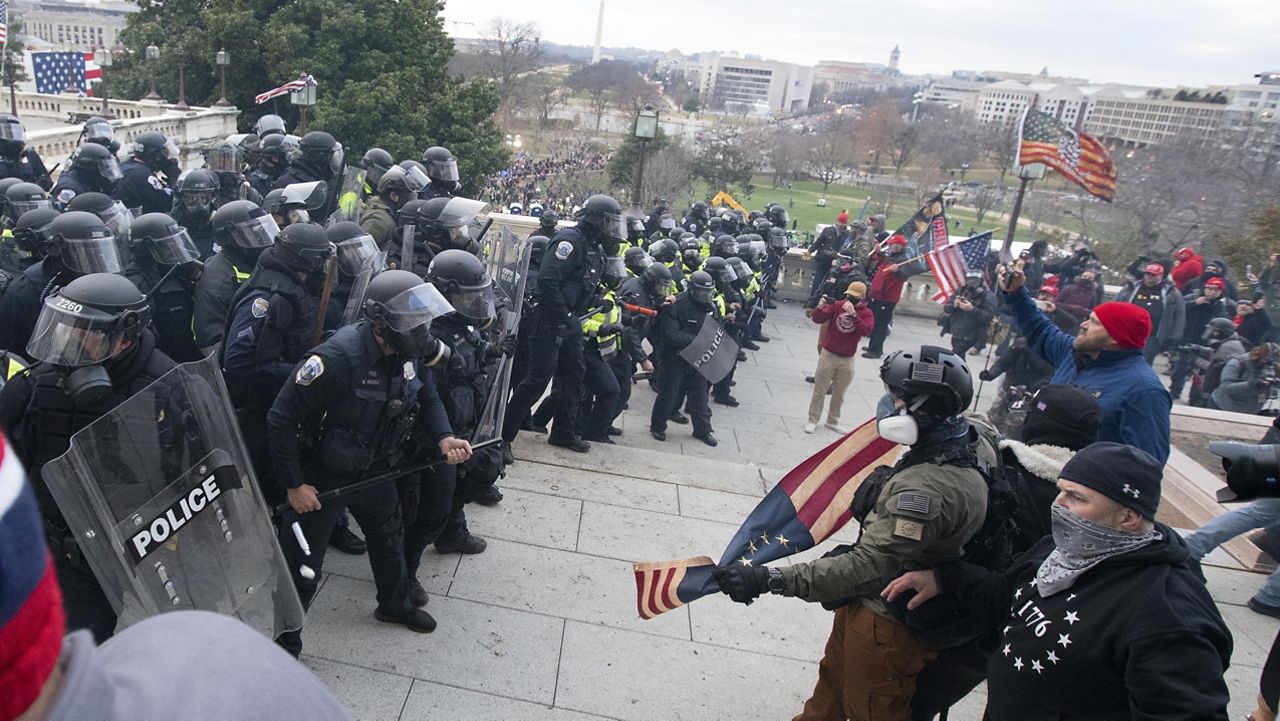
x: 1247, y: 381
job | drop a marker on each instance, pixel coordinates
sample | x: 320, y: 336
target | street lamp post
x: 105, y: 61
x: 182, y: 82
x: 915, y: 105
x: 153, y: 55
x: 223, y: 59
x: 964, y: 168
x: 11, y: 77
x: 1027, y: 173
x: 305, y: 97
x: 646, y: 130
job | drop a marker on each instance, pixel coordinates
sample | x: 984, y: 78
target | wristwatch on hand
x: 776, y: 583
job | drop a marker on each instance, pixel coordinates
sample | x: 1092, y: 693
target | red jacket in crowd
x: 886, y: 286
x: 1189, y: 268
x: 845, y: 331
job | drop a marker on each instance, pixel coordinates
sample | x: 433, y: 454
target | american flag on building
x: 807, y: 506
x: 56, y: 72
x: 950, y: 264
x: 1077, y: 156
x: 4, y: 23
x: 292, y: 86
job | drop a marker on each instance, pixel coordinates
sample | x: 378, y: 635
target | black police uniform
x: 679, y: 324
x: 223, y: 274
x: 694, y: 224
x: 524, y: 334
x: 234, y: 186
x: 199, y: 226
x: 567, y: 283
x: 302, y: 171
x: 446, y: 489
x: 261, y: 181
x: 269, y: 329
x: 39, y: 417
x: 422, y: 255
x: 142, y: 188
x: 73, y: 182
x: 26, y: 165
x: 438, y: 189
x: 359, y: 407
x: 637, y: 326
x: 20, y: 304
x: 172, y: 304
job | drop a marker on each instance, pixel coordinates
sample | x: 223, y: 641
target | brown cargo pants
x: 868, y: 670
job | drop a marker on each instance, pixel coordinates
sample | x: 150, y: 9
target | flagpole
x: 1006, y: 251
x: 11, y: 74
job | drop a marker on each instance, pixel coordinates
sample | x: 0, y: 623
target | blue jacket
x: 1135, y: 405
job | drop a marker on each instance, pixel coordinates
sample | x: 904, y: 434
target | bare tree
x: 983, y: 199
x: 830, y: 151
x: 890, y: 135
x: 509, y: 49
x: 605, y: 83
x: 546, y: 94
x: 668, y: 173
x: 999, y: 144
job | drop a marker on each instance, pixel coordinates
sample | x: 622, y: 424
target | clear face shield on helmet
x: 637, y: 262
x: 443, y: 170
x: 95, y: 254
x: 338, y: 159
x: 359, y: 254
x: 613, y: 271
x: 311, y: 196
x: 224, y: 158
x: 99, y: 130
x: 460, y: 219
x: 70, y: 335
x: 725, y: 275
x: 14, y: 132
x: 415, y: 308
x: 118, y: 220
x: 701, y: 293
x: 109, y: 169
x: 255, y: 232
x: 415, y: 180
x: 175, y: 249
x: 474, y: 302
x: 18, y: 207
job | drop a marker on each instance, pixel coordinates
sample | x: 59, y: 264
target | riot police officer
x: 149, y: 174
x: 678, y: 325
x: 271, y: 326
x: 226, y: 160
x: 90, y: 168
x: 23, y: 196
x: 193, y: 207
x: 395, y: 187
x: 641, y: 297
x: 567, y: 285
x: 111, y: 212
x: 16, y: 159
x: 375, y: 162
x: 445, y: 490
x: 242, y: 230
x: 547, y: 223
x: 268, y: 125
x: 318, y: 158
x: 95, y: 351
x: 357, y: 253
x: 365, y: 399
x: 98, y: 130
x: 445, y: 223
x: 77, y: 244
x: 695, y: 221
x: 407, y: 227
x: 29, y: 240
x: 442, y: 170
x: 165, y: 265
x: 273, y: 159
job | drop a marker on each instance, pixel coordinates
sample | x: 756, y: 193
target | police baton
x: 484, y: 230
x: 381, y: 478
x: 330, y: 275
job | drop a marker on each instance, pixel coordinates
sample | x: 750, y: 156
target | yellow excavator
x: 722, y: 199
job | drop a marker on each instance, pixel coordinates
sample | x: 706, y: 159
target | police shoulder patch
x: 563, y: 249
x: 66, y: 195
x: 259, y: 307
x: 311, y: 369
x: 154, y: 182
x: 409, y: 371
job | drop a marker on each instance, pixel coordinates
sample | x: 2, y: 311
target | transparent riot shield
x: 355, y: 301
x: 506, y: 258
x: 164, y: 504
x: 350, y: 195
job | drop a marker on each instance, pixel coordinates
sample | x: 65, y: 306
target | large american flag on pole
x: 4, y: 23
x: 1077, y: 156
x: 950, y: 264
x: 292, y: 86
x: 55, y: 72
x: 809, y: 504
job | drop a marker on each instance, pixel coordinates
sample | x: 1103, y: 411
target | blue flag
x: 56, y: 71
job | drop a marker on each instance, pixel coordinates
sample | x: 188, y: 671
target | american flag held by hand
x: 951, y: 263
x: 810, y: 503
x: 292, y: 86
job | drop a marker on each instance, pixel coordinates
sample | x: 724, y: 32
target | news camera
x: 1253, y: 470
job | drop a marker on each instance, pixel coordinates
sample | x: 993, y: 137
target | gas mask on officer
x: 894, y: 423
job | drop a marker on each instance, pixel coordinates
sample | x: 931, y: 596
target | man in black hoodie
x: 1108, y: 618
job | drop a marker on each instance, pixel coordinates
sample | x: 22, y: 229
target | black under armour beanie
x: 1127, y: 475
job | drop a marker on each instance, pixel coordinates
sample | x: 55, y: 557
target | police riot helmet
x: 224, y: 157
x: 408, y: 213
x: 357, y: 250
x: 5, y: 184
x: 691, y: 253
x: 275, y: 149
x: 197, y: 187
x: 87, y: 321
x: 269, y: 125
x: 31, y: 231
x: 318, y: 148
x: 535, y: 209
x: 407, y: 182
x: 402, y: 306
x: 152, y: 146
x: 666, y: 222
x: 729, y: 222
x: 762, y: 226
x: 657, y: 278
x: 636, y: 260
x: 665, y: 250
x: 933, y: 381
x: 167, y: 242
x: 1219, y: 329
x: 440, y: 164
x: 271, y: 201
x: 719, y: 269
x: 304, y: 247
x: 96, y: 160
x: 242, y: 224
x: 111, y: 212
x: 777, y: 239
x: 461, y: 279
x: 537, y: 246
x: 21, y: 197
x: 714, y: 224
x: 82, y: 243
x: 700, y: 287
x: 699, y: 210
x: 375, y: 162
x: 725, y: 246
x: 547, y: 222
x: 612, y: 272
x: 777, y: 215
x: 449, y: 221
x: 603, y: 214
x: 98, y: 130
x: 13, y: 137
x: 741, y: 273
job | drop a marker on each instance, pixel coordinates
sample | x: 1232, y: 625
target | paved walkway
x: 543, y: 625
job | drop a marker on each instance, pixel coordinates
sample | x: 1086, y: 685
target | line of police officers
x: 349, y: 350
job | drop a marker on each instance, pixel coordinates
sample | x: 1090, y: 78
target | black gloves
x: 985, y: 375
x: 507, y: 346
x: 744, y: 584
x: 608, y: 330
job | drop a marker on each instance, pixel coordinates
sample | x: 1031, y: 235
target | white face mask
x: 893, y: 424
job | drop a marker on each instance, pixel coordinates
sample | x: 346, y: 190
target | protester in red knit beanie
x: 1127, y: 324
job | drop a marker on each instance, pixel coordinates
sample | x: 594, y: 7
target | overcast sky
x: 1144, y: 42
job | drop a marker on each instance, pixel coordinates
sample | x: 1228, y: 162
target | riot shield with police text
x: 712, y: 352
x: 506, y: 258
x: 350, y: 193
x: 163, y: 503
